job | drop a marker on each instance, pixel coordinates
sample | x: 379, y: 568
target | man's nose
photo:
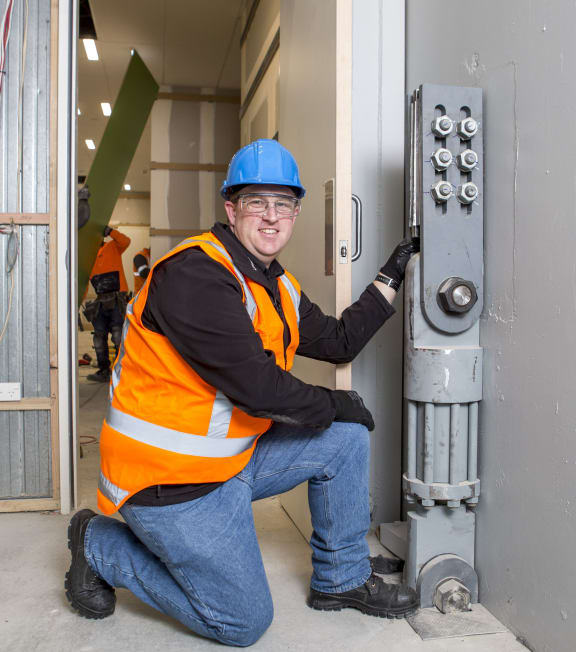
x: 270, y: 212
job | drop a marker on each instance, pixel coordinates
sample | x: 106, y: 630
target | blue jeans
x: 200, y: 562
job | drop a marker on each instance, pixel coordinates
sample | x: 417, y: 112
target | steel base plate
x: 431, y: 624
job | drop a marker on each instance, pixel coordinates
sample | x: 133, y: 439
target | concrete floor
x: 36, y: 617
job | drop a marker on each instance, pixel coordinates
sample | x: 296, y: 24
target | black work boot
x: 375, y: 598
x: 386, y: 565
x: 101, y: 376
x: 88, y: 594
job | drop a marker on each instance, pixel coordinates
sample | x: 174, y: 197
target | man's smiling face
x: 264, y: 234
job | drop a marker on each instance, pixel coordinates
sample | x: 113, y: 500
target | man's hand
x: 350, y: 408
x: 106, y: 231
x: 395, y: 268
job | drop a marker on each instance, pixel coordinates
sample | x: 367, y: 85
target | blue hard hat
x: 264, y: 161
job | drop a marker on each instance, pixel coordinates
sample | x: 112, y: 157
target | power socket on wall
x: 10, y: 391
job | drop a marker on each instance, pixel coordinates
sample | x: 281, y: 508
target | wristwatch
x: 390, y: 282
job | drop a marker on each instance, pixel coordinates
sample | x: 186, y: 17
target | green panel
x: 113, y: 157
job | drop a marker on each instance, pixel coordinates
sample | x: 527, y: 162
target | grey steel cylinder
x: 442, y: 387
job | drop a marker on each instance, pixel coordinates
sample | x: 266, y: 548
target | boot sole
x: 328, y: 604
x: 80, y: 608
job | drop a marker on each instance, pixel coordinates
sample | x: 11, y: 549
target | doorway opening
x: 216, y: 64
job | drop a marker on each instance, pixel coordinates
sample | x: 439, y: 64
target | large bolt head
x: 467, y: 160
x: 442, y: 126
x: 467, y: 128
x: 441, y: 192
x: 467, y: 193
x: 452, y: 596
x: 457, y: 295
x: 441, y: 159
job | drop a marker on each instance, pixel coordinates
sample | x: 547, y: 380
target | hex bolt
x: 457, y: 295
x: 428, y: 503
x: 441, y: 192
x: 467, y: 193
x: 467, y: 128
x: 461, y: 295
x: 441, y: 159
x: 452, y: 596
x: 453, y: 504
x: 442, y: 126
x: 467, y: 160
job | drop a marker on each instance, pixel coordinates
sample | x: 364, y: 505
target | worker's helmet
x: 264, y: 161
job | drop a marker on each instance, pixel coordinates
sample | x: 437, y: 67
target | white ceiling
x: 192, y: 43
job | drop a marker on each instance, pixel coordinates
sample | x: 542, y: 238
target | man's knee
x: 100, y: 340
x: 352, y: 435
x: 116, y: 336
x: 252, y: 628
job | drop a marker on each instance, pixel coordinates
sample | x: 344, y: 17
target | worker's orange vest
x: 138, y: 280
x: 165, y: 424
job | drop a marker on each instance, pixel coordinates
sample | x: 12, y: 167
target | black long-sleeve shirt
x: 197, y: 304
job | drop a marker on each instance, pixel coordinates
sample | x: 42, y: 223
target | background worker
x: 205, y: 417
x: 107, y: 311
x: 141, y: 266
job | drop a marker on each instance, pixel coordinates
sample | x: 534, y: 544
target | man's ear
x: 230, y: 209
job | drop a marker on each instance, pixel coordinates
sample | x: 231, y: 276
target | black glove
x: 106, y: 231
x: 394, y: 269
x: 350, y: 407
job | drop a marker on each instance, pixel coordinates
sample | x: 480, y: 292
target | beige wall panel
x: 131, y: 211
x: 265, y: 20
x: 261, y: 117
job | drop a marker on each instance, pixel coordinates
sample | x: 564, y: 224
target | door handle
x: 358, y: 228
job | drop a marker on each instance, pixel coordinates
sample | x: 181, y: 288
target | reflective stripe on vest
x: 110, y: 490
x: 117, y: 369
x: 175, y: 441
x: 293, y: 292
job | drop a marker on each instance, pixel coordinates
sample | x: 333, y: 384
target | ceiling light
x: 90, y: 47
x: 79, y: 112
x: 90, y: 143
x: 127, y: 186
x: 106, y: 108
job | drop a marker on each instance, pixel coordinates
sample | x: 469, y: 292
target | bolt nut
x: 452, y: 596
x: 467, y: 160
x: 441, y: 192
x: 467, y: 193
x: 442, y: 126
x: 457, y: 295
x: 441, y: 159
x: 467, y: 128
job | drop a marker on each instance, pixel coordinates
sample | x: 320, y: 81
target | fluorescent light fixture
x: 106, y: 108
x: 90, y: 143
x: 90, y: 47
x: 127, y: 186
x: 79, y: 112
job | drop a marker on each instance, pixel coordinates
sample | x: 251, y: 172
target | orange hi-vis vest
x: 165, y: 424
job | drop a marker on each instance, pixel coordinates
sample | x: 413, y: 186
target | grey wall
x: 522, y: 53
x: 378, y: 179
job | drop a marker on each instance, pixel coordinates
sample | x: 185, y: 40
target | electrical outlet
x: 10, y: 391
